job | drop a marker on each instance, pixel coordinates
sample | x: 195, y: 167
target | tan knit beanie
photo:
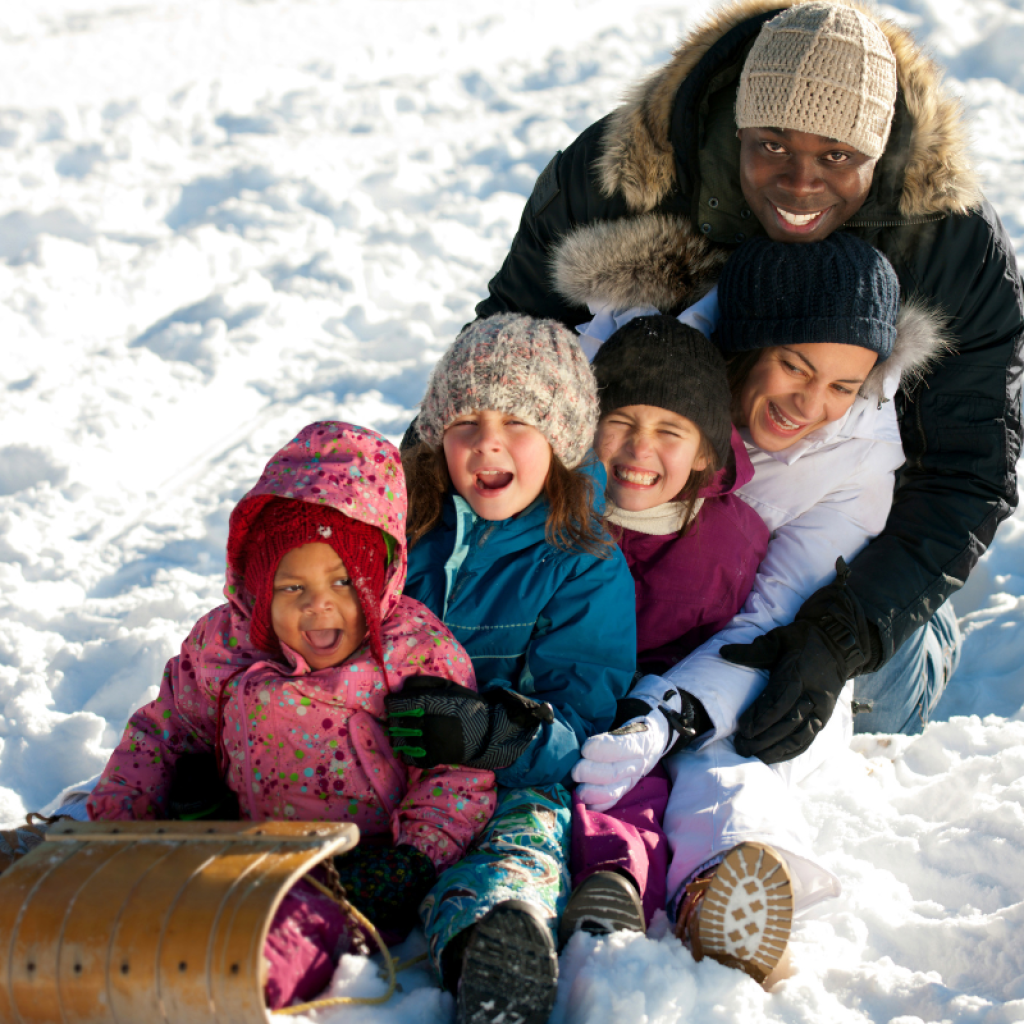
x: 822, y: 68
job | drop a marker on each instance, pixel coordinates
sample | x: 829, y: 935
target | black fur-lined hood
x: 654, y: 255
x: 638, y: 158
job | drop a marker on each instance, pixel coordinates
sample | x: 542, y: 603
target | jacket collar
x: 924, y: 172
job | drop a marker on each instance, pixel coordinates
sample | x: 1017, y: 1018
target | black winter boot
x: 509, y: 968
x: 605, y: 902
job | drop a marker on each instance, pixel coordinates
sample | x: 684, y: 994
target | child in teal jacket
x: 507, y: 549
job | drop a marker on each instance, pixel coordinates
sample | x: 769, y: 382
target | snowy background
x: 220, y: 220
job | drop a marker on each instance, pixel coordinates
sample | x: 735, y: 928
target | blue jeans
x: 904, y: 692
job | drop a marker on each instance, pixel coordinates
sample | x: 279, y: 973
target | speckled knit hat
x: 822, y: 68
x: 516, y: 364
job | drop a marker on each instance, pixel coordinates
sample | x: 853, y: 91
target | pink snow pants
x: 628, y: 838
x: 307, y: 937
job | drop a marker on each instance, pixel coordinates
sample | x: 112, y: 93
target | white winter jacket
x: 825, y: 496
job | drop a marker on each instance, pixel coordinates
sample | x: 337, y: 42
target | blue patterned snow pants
x: 523, y: 854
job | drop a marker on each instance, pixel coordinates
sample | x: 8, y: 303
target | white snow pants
x: 720, y: 799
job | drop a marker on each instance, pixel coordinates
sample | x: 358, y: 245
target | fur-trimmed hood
x: 655, y: 255
x: 655, y: 259
x: 638, y: 160
x: 922, y: 338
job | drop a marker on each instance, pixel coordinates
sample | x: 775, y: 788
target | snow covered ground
x: 220, y: 220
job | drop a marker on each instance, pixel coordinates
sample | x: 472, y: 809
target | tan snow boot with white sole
x: 740, y: 913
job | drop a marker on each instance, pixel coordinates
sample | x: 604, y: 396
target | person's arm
x: 444, y: 810
x: 565, y: 195
x: 800, y: 559
x: 580, y: 661
x: 446, y: 807
x: 961, y: 427
x: 136, y: 782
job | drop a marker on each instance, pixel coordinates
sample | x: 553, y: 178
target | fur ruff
x: 638, y: 160
x: 654, y: 259
x: 660, y: 261
x: 922, y: 339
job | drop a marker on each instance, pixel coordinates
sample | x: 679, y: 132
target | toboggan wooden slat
x: 147, y: 922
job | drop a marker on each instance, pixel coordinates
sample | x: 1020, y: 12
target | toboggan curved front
x: 144, y: 922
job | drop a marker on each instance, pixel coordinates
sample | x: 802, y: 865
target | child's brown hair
x: 571, y: 519
x: 696, y: 482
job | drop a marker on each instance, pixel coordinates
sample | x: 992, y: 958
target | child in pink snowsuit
x: 285, y: 685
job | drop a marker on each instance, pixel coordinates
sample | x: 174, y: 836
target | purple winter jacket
x: 689, y: 587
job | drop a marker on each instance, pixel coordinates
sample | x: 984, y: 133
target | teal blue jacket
x: 557, y: 626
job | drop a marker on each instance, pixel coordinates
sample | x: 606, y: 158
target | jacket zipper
x: 895, y: 222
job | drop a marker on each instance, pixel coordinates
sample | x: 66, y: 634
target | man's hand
x: 810, y: 660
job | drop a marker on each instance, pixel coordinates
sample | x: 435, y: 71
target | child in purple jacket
x: 693, y: 546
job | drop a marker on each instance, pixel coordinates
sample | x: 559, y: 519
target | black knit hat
x: 656, y: 360
x: 840, y: 290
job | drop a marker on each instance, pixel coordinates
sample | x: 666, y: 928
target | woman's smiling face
x: 794, y: 389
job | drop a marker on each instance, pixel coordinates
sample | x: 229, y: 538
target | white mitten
x: 614, y: 762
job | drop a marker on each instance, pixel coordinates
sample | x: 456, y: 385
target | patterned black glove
x: 810, y: 660
x: 387, y: 883
x: 433, y: 721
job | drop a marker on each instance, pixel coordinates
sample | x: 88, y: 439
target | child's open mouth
x: 492, y: 480
x: 322, y: 640
x: 635, y: 477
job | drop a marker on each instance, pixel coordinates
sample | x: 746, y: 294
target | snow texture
x: 222, y: 220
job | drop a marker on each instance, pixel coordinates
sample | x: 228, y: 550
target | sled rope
x: 404, y: 965
x: 389, y: 963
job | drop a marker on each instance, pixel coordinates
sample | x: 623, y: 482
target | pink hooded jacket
x: 297, y: 743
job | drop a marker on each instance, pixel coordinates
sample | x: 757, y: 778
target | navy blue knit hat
x: 839, y: 290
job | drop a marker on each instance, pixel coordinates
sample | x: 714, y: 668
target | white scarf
x: 659, y: 521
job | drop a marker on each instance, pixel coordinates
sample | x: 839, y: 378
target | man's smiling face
x: 801, y: 187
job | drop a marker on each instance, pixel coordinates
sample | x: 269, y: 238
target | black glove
x: 434, y: 721
x: 387, y: 883
x: 810, y: 660
x: 198, y: 792
x: 689, y: 722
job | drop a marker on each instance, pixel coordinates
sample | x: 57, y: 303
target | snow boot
x: 605, y: 902
x: 509, y: 968
x: 740, y: 912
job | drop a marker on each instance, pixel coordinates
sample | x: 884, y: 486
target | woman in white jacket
x: 817, y: 351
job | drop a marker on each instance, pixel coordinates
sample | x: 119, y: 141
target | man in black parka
x: 644, y: 208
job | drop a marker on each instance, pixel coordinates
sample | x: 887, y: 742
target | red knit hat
x: 264, y: 529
